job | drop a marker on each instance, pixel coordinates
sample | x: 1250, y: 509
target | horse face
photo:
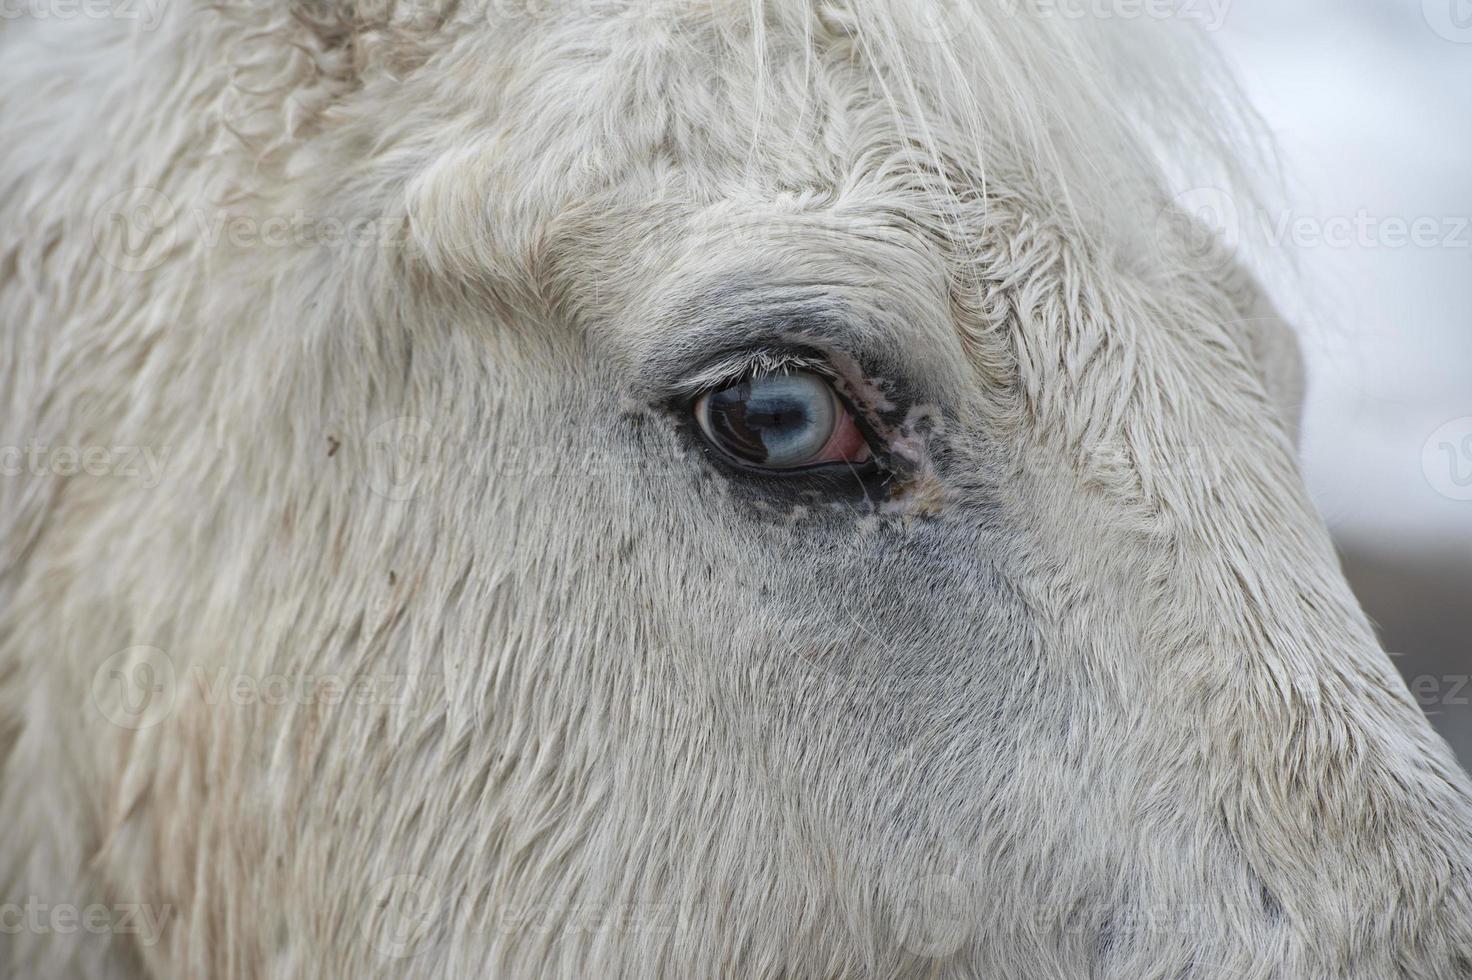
x: 790, y: 522
x: 1056, y: 666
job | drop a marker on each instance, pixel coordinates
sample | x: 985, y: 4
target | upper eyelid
x: 719, y: 332
x: 740, y: 366
x: 724, y: 334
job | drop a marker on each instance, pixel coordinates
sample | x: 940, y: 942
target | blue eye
x: 781, y: 422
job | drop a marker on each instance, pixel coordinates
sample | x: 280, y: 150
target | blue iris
x: 779, y: 421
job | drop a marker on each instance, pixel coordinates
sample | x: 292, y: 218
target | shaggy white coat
x: 1086, y: 696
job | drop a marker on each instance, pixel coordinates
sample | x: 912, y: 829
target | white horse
x: 618, y: 488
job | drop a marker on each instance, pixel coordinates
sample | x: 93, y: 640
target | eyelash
x: 756, y: 363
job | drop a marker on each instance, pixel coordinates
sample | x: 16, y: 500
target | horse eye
x: 782, y: 422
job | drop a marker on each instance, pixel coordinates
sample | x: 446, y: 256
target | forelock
x: 1097, y: 116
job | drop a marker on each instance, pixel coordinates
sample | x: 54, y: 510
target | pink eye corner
x: 848, y: 444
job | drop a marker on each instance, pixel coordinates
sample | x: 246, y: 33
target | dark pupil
x: 747, y: 424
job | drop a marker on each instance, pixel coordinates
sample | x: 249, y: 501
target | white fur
x: 1086, y: 696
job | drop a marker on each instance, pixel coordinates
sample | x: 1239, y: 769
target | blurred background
x: 1371, y: 104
